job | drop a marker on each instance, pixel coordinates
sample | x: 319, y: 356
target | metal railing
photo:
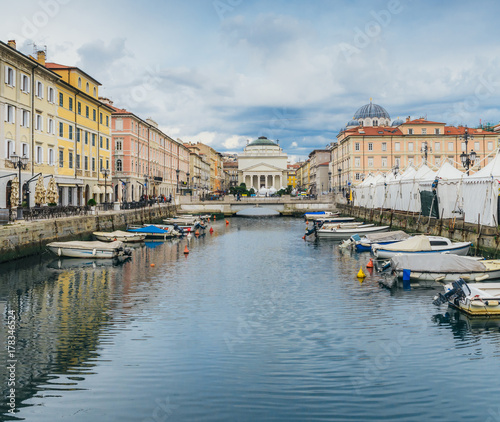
x: 38, y: 213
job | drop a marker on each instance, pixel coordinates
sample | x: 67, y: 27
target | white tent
x: 392, y: 189
x: 480, y: 194
x: 363, y: 190
x: 449, y: 189
x: 381, y: 197
x: 411, y: 190
x: 404, y: 188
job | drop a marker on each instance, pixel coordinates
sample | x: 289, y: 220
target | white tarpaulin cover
x: 87, y: 245
x: 413, y: 244
x: 480, y: 193
x: 387, y: 237
x: 436, y: 263
x: 449, y: 189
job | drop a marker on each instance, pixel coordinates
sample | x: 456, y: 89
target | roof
x: 371, y: 110
x: 57, y: 66
x: 422, y: 121
x: 262, y: 140
x: 373, y: 131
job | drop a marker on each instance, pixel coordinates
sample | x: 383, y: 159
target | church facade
x: 263, y: 165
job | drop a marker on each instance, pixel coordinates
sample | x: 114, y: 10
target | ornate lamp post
x: 340, y: 171
x: 395, y: 170
x: 177, y: 171
x: 19, y: 163
x: 467, y: 159
x: 187, y: 175
x: 146, y: 187
x: 329, y: 181
x: 105, y: 173
x: 425, y: 149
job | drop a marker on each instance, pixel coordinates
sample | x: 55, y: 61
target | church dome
x: 397, y: 122
x: 262, y: 140
x: 352, y: 123
x: 371, y: 110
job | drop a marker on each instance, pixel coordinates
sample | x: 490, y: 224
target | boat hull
x: 122, y: 238
x: 341, y: 234
x: 449, y: 277
x: 461, y: 249
x: 83, y: 253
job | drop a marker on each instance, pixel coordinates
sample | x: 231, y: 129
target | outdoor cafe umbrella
x: 14, y: 193
x: 52, y: 193
x: 39, y: 191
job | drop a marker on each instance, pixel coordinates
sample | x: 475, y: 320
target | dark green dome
x: 262, y: 140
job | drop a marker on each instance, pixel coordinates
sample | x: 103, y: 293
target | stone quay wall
x: 483, y: 238
x: 30, y: 237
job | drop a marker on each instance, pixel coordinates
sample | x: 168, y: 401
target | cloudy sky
x: 224, y: 71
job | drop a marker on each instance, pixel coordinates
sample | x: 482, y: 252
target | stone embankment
x: 482, y: 237
x: 30, y: 237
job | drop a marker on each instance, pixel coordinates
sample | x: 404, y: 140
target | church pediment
x: 264, y: 167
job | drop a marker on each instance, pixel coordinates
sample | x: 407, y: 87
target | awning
x: 96, y: 189
x: 68, y: 185
x: 109, y: 189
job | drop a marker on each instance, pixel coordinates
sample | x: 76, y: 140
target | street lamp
x: 340, y: 171
x: 425, y: 149
x: 19, y: 163
x: 187, y: 175
x: 177, y: 171
x: 395, y: 170
x: 105, y: 172
x: 467, y: 159
x: 329, y: 181
x: 146, y: 187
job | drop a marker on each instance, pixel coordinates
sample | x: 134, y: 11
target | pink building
x: 145, y: 161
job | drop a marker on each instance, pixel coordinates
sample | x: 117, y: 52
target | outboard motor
x: 179, y: 229
x: 460, y: 290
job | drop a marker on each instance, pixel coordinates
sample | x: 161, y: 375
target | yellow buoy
x: 361, y: 274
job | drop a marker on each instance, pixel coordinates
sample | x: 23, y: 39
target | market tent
x: 403, y: 194
x: 392, y: 190
x: 410, y: 196
x: 379, y: 191
x: 481, y: 193
x: 448, y: 191
x: 362, y: 191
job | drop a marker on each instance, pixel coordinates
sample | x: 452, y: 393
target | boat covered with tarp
x: 119, y: 235
x: 152, y: 232
x: 92, y: 249
x: 444, y: 267
x: 365, y: 243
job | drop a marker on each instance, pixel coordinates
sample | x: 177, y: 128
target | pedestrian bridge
x: 228, y: 206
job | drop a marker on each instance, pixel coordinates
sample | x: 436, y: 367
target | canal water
x: 255, y: 324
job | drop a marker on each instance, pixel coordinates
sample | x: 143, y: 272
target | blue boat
x: 364, y: 243
x: 152, y: 232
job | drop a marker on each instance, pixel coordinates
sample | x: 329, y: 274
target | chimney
x: 12, y: 43
x: 105, y: 101
x: 408, y: 119
x: 40, y: 57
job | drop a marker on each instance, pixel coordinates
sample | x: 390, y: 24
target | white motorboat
x: 319, y: 214
x: 93, y: 249
x: 119, y: 235
x: 421, y: 244
x: 364, y: 244
x: 335, y: 233
x: 476, y: 299
x: 444, y: 267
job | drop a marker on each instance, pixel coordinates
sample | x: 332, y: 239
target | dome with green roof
x: 262, y: 140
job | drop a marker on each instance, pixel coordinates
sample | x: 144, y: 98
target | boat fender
x: 59, y: 251
x: 94, y: 251
x: 492, y: 302
x: 440, y: 278
x: 482, y: 277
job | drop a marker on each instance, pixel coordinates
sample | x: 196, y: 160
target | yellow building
x: 28, y: 114
x: 84, y: 138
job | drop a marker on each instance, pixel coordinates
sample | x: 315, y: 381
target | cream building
x: 263, y: 164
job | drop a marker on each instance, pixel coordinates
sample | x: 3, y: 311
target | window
x: 39, y: 89
x: 100, y: 164
x: 100, y: 142
x: 10, y: 76
x: 86, y: 138
x: 93, y: 139
x: 118, y: 165
x: 490, y: 146
x: 70, y: 160
x: 370, y: 146
x: 93, y: 164
x: 39, y: 122
x: 356, y: 146
x: 70, y: 103
x: 70, y: 133
x: 410, y: 131
x: 10, y: 149
x: 79, y: 82
x: 118, y: 145
x: 375, y: 123
x: 77, y: 161
x: 370, y: 161
x: 384, y: 146
x: 86, y: 161
x: 79, y: 108
x: 384, y: 161
x: 107, y: 121
x: 450, y: 146
x: 436, y: 131
x: 25, y: 118
x: 87, y: 112
x: 424, y: 131
x: 51, y: 95
x: 437, y: 146
x: 9, y: 113
x: 78, y: 134
x: 95, y: 92
x: 357, y: 176
x: 357, y: 162
x: 107, y: 164
x: 100, y: 118
x: 87, y: 87
x: 410, y: 146
x: 119, y: 124
x: 51, y: 157
x: 476, y: 146
x: 25, y: 151
x: 61, y: 130
x: 61, y: 158
x: 39, y: 155
x: 61, y: 99
x: 94, y: 115
x: 437, y: 160
x: 397, y: 161
x: 25, y: 83
x: 50, y: 127
x: 397, y: 146
x: 107, y: 143
x: 411, y: 159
